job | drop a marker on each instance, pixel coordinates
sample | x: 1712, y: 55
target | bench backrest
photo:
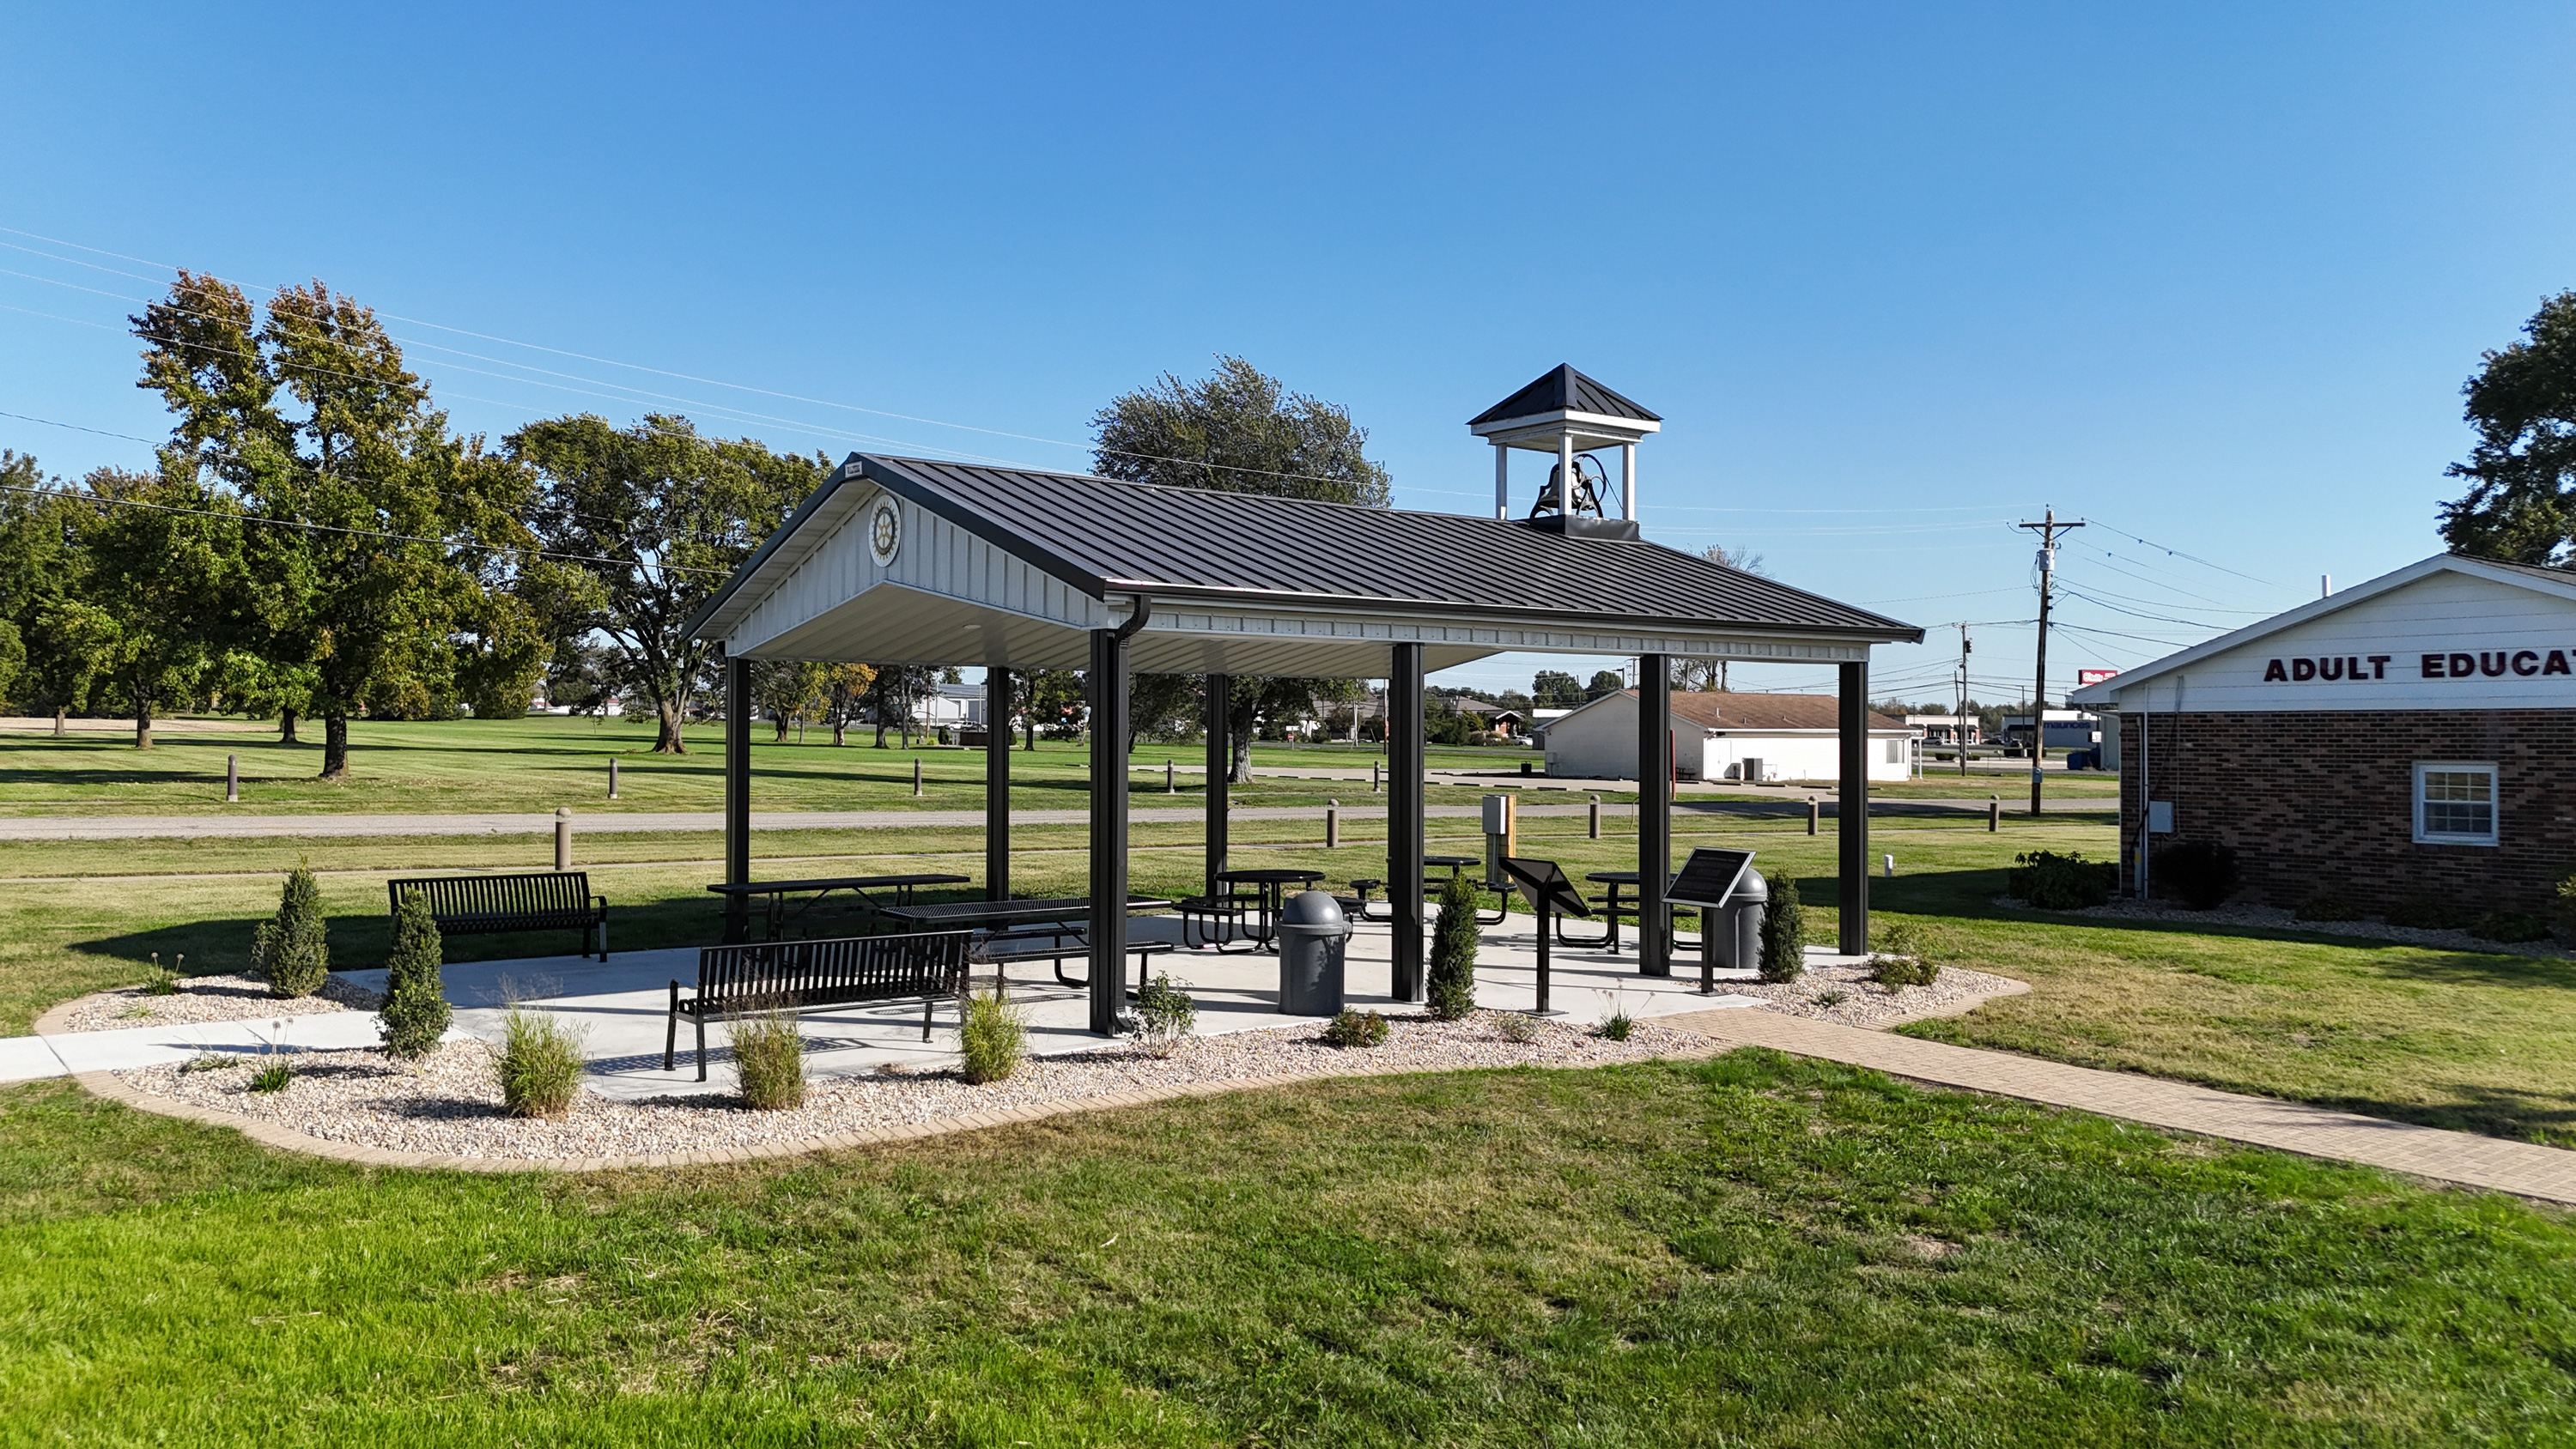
x: 842, y: 968
x: 540, y: 893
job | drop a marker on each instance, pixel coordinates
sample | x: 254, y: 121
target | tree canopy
x: 2521, y: 501
x: 1239, y: 430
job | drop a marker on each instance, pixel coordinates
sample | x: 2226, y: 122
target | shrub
x: 1784, y: 931
x: 2202, y: 874
x: 1903, y: 958
x: 1618, y: 1024
x: 2327, y: 905
x: 2054, y: 882
x: 272, y: 1078
x: 291, y: 949
x: 2429, y: 913
x: 2566, y: 904
x: 768, y: 1056
x: 1453, y: 952
x: 1831, y: 999
x: 993, y: 1037
x: 539, y: 1063
x: 1355, y: 1029
x: 1164, y: 1014
x: 1516, y: 1026
x: 2510, y: 927
x: 415, y: 1012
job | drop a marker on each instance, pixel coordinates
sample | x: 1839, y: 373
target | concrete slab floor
x: 622, y: 1007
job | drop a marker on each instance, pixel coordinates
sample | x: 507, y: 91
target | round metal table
x: 1273, y: 883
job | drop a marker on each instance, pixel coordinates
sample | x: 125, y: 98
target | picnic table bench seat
x: 482, y: 905
x: 805, y: 975
x: 1053, y: 944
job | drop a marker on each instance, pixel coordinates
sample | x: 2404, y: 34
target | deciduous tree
x: 2521, y: 501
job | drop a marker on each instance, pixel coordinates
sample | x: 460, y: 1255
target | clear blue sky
x: 1896, y: 276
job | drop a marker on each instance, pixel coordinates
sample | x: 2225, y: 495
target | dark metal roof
x: 1562, y: 389
x: 1103, y: 536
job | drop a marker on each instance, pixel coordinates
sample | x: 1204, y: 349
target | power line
x: 2178, y: 553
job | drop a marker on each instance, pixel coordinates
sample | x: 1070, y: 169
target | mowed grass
x: 541, y: 762
x: 1745, y: 1251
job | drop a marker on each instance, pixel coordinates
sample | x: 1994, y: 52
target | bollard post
x: 1891, y: 865
x: 612, y: 777
x: 1332, y: 825
x: 1375, y: 767
x: 1994, y: 814
x: 1815, y: 814
x: 232, y: 779
x: 1167, y: 779
x: 916, y: 777
x: 1593, y: 826
x: 563, y: 837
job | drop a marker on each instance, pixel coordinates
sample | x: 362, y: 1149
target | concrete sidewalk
x: 2522, y: 1168
x: 24, y: 1058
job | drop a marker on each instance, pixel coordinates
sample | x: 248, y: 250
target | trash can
x: 1736, y: 931
x: 1312, y: 935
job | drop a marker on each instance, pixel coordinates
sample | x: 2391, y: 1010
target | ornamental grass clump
x: 1355, y: 1029
x: 992, y: 1037
x: 163, y: 982
x: 1454, y: 938
x: 292, y: 950
x: 1784, y: 931
x: 768, y: 1057
x: 415, y: 1013
x: 539, y: 1063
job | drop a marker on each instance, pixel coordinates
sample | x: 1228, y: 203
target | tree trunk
x: 880, y: 722
x: 781, y: 722
x: 286, y: 727
x: 668, y: 742
x: 335, y: 745
x: 1029, y: 731
x: 142, y: 724
x: 59, y: 730
x: 838, y: 727
x: 1240, y: 771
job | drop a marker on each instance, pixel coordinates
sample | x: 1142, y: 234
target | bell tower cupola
x: 1572, y: 419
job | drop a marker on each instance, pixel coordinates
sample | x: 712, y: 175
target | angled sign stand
x: 1708, y: 880
x: 1547, y: 890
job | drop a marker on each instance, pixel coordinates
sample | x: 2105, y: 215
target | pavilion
x: 916, y: 561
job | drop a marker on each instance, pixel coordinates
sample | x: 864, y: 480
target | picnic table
x: 1021, y: 930
x: 1618, y: 880
x: 821, y: 888
x: 1272, y: 883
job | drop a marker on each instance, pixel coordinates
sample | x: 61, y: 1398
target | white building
x: 1942, y: 729
x: 2068, y: 729
x: 1725, y: 736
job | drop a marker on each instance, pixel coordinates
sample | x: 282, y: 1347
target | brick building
x: 2414, y: 736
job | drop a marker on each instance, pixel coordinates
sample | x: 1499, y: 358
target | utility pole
x: 2049, y: 529
x: 1959, y: 721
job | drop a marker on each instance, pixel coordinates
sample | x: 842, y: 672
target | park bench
x: 806, y: 975
x: 481, y: 905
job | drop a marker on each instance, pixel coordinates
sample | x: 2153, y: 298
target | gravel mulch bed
x: 1859, y: 1001
x: 449, y: 1104
x: 2128, y: 908
x: 211, y: 998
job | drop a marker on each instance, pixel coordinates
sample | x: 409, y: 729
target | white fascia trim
x: 2107, y: 693
x: 1601, y: 421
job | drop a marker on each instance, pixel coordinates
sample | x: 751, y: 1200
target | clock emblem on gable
x: 884, y: 532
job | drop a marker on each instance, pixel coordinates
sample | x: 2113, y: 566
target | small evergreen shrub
x: 2510, y: 927
x: 2201, y: 874
x: 2565, y: 905
x: 768, y: 1057
x: 539, y: 1063
x: 415, y: 1012
x: 1784, y: 931
x: 993, y: 1037
x: 2430, y: 913
x: 1164, y: 1014
x: 2327, y: 905
x: 2054, y: 882
x: 291, y: 949
x: 1355, y: 1029
x: 1903, y: 958
x: 1454, y: 938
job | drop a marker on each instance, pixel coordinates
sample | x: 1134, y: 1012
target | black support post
x: 1404, y: 820
x: 997, y: 784
x: 1851, y: 811
x: 1219, y: 709
x: 1654, y: 815
x: 737, y: 797
x: 1107, y: 687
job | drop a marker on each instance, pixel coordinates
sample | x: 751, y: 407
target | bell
x: 1587, y: 489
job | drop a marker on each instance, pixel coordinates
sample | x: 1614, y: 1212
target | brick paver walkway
x: 2521, y: 1168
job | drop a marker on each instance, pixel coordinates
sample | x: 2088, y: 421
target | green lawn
x: 1744, y: 1252
x: 539, y: 763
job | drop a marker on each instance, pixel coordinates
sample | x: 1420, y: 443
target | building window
x: 2455, y: 804
x: 1896, y: 752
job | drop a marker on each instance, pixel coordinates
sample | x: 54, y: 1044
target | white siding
x: 1600, y: 742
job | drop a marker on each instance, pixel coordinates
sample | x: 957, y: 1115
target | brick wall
x: 2325, y: 798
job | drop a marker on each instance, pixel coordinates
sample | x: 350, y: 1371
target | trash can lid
x: 1750, y: 890
x: 1312, y: 908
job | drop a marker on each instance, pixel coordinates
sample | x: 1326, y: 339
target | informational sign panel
x: 1544, y: 885
x: 1708, y: 878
